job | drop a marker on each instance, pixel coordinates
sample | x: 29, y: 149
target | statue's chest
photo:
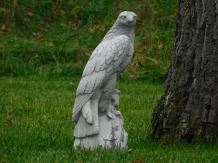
x: 128, y: 58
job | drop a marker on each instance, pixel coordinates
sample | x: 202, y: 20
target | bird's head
x: 127, y: 18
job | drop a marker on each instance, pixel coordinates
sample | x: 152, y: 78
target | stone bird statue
x: 107, y: 61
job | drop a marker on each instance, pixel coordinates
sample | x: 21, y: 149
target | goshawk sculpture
x: 107, y: 61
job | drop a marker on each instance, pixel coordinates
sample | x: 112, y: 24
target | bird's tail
x: 80, y: 101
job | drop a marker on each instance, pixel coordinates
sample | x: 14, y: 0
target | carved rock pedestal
x: 110, y: 133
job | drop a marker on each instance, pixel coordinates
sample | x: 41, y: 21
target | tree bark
x: 189, y: 107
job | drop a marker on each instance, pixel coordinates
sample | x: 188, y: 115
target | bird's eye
x: 123, y: 17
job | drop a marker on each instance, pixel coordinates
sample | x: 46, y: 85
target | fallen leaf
x: 129, y: 150
x: 9, y: 118
x: 3, y: 27
x: 30, y: 14
x: 2, y: 9
x: 137, y: 160
x: 50, y: 44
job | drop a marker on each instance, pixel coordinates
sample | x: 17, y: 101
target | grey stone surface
x: 98, y: 124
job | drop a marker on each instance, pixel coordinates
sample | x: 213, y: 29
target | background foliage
x: 56, y: 37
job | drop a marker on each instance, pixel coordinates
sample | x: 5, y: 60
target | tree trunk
x: 189, y: 107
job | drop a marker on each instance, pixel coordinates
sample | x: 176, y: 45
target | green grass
x: 36, y: 126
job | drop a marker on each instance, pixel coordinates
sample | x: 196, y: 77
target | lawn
x: 36, y: 126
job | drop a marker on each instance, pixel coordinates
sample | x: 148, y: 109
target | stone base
x: 111, y: 133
